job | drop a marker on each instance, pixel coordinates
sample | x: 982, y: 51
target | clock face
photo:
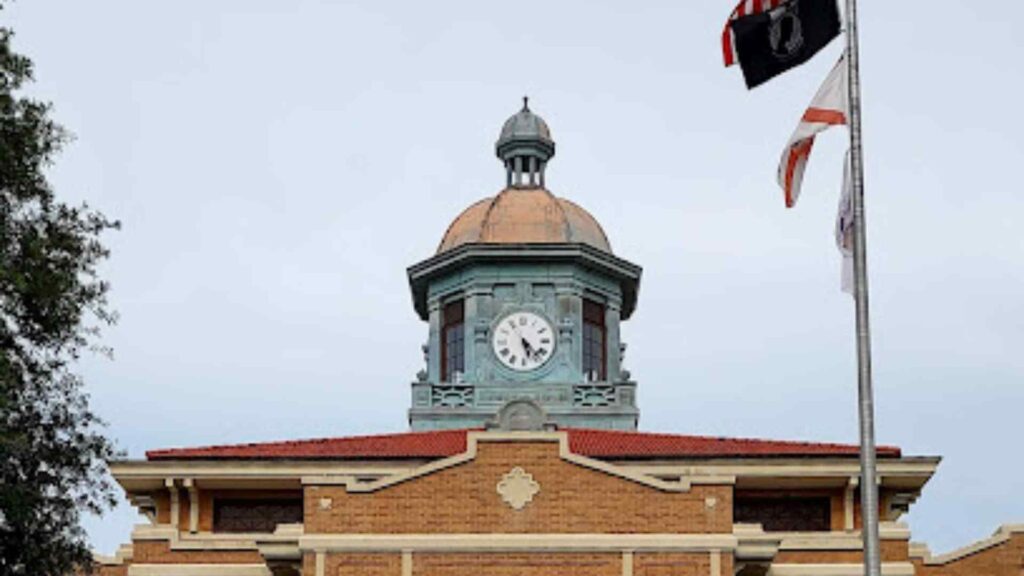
x: 523, y: 341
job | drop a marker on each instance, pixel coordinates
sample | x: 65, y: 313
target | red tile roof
x: 587, y: 442
x: 614, y: 444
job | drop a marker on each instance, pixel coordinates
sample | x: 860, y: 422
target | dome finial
x: 525, y: 146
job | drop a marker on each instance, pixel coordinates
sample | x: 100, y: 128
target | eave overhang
x: 904, y: 474
x: 148, y: 475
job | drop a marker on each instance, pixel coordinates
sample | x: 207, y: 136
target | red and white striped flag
x: 744, y: 8
x: 829, y: 108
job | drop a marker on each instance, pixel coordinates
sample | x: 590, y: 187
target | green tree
x: 52, y: 305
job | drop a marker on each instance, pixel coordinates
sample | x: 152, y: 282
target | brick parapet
x: 1000, y: 555
x: 571, y: 499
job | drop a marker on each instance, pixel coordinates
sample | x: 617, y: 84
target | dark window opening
x: 252, y: 515
x: 453, y: 348
x: 594, y: 342
x: 785, y: 514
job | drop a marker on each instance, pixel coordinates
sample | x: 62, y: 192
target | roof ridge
x: 593, y: 442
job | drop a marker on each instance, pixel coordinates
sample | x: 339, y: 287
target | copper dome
x: 524, y: 216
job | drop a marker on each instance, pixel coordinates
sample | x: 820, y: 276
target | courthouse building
x: 523, y: 456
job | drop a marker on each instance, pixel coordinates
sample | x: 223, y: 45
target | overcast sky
x: 277, y: 165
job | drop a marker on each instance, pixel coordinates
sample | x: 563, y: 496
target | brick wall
x: 517, y: 564
x: 1006, y: 559
x: 679, y: 564
x: 572, y: 499
x: 355, y: 564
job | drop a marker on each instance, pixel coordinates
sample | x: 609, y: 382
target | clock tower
x: 523, y: 299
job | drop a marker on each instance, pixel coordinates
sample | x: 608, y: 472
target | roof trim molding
x: 837, y: 467
x: 179, y: 540
x: 888, y: 569
x: 516, y: 542
x: 199, y: 570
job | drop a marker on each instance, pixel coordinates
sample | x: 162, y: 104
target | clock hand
x: 526, y: 347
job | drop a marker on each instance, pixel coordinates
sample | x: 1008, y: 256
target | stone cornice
x: 515, y: 542
x: 888, y: 569
x: 627, y: 273
x: 910, y: 473
x: 144, y: 475
x: 284, y: 535
x: 199, y: 570
x: 141, y: 475
x: 757, y: 545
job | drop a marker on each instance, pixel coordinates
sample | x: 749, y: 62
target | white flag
x: 827, y: 109
x: 844, y: 228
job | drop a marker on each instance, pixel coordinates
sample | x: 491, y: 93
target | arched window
x: 453, y: 349
x: 594, y: 342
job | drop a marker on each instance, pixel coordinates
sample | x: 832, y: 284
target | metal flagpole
x: 868, y: 484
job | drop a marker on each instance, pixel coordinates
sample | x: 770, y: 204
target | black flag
x: 771, y: 42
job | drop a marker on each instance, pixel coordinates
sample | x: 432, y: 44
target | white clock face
x: 523, y: 341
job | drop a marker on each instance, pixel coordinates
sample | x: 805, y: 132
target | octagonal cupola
x: 524, y: 298
x: 525, y: 146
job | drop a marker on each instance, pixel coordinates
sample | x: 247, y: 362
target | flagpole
x: 869, y: 483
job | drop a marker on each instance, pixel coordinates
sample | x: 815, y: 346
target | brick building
x: 523, y: 456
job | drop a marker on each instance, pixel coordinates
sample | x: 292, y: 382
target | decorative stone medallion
x: 517, y: 488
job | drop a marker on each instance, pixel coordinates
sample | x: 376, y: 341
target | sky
x: 277, y: 166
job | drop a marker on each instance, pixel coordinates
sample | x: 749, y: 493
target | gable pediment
x: 516, y: 482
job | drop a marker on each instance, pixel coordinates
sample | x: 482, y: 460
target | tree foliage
x: 52, y: 305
